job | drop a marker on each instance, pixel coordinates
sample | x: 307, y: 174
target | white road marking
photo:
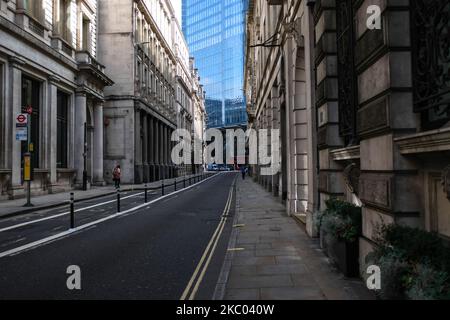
x: 13, y: 242
x: 62, y: 214
x: 208, y: 253
x: 66, y: 233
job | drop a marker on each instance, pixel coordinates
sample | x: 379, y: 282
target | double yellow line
x: 196, y: 279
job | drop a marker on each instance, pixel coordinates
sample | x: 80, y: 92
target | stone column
x: 98, y: 145
x: 311, y: 112
x: 144, y: 148
x: 150, y: 149
x: 52, y: 141
x: 289, y: 66
x: 156, y: 149
x: 275, y: 125
x: 15, y: 160
x: 80, y: 120
x: 164, y: 149
x: 137, y: 147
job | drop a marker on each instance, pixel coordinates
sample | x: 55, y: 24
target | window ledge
x: 425, y: 142
x: 349, y: 153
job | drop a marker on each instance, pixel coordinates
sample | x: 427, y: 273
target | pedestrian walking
x: 116, y: 176
x: 243, y: 172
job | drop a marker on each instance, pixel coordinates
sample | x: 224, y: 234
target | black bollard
x: 162, y: 187
x: 118, y: 200
x: 72, y: 211
x: 145, y: 194
x: 175, y: 184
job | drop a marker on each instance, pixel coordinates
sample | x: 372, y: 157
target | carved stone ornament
x: 446, y: 181
x: 295, y: 28
x: 351, y: 176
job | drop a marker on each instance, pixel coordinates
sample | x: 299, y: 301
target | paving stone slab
x: 295, y: 293
x: 272, y: 281
x: 243, y: 294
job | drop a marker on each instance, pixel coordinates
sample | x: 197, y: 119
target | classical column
x: 276, y: 125
x: 164, y: 149
x: 98, y: 145
x: 144, y: 148
x: 169, y: 154
x: 290, y: 147
x: 15, y: 160
x: 137, y: 147
x: 150, y: 149
x: 156, y: 149
x: 52, y: 141
x: 80, y: 121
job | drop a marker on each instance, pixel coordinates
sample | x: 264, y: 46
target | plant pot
x: 346, y: 256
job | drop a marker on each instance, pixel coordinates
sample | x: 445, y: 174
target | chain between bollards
x: 72, y: 211
x: 118, y: 199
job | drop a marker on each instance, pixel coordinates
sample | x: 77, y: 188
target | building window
x: 62, y: 14
x: 62, y: 129
x: 31, y: 97
x: 35, y: 9
x: 86, y: 35
x: 430, y: 25
x: 346, y: 72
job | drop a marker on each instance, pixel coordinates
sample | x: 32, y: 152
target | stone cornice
x: 424, y: 142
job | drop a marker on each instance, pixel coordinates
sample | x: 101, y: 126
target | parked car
x: 213, y: 167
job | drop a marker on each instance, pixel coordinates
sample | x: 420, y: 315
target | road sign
x: 22, y: 134
x: 21, y: 120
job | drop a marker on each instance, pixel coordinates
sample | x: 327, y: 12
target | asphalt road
x: 155, y: 252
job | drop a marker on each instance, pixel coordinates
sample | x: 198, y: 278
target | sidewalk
x: 274, y: 258
x: 10, y: 208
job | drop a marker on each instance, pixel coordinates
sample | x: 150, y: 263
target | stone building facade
x: 364, y: 112
x: 51, y: 67
x: 279, y: 84
x: 183, y: 88
x: 198, y: 97
x: 136, y: 42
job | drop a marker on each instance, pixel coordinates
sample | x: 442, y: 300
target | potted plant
x: 414, y: 264
x: 340, y: 227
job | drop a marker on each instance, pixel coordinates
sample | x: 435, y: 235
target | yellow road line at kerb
x: 213, y: 242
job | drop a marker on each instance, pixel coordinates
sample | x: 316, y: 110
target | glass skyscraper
x: 214, y: 30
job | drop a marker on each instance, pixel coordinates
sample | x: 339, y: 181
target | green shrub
x: 414, y: 264
x: 429, y: 284
x: 418, y: 246
x: 341, y: 219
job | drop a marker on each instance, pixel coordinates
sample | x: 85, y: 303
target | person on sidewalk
x: 243, y: 171
x: 116, y: 176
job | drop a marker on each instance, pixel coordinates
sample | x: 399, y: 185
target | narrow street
x: 149, y: 253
